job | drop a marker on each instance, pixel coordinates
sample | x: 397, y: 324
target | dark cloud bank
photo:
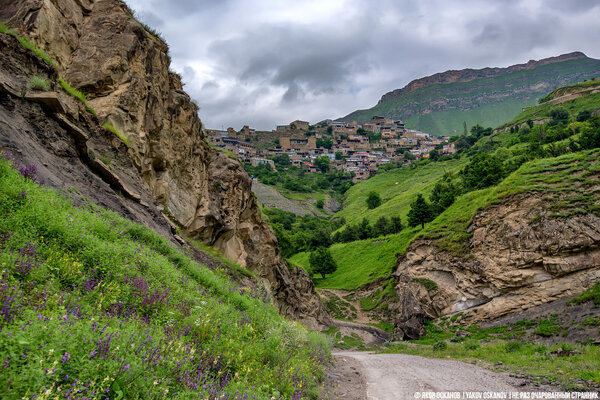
x: 265, y: 63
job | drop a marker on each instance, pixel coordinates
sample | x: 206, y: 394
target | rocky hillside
x: 440, y: 103
x: 98, y: 48
x: 533, y: 239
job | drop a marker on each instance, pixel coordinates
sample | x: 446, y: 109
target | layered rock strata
x: 519, y: 255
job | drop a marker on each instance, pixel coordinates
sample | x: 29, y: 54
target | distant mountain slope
x: 440, y: 103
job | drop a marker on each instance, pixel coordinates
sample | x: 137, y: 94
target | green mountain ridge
x: 441, y: 103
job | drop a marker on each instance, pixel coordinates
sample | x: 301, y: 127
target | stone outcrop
x: 123, y: 68
x: 519, y: 256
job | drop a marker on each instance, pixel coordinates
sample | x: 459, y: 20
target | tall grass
x: 94, y: 304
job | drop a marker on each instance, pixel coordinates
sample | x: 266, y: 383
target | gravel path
x: 402, y: 376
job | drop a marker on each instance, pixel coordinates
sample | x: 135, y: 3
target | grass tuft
x: 117, y: 133
x: 66, y: 86
x: 38, y: 83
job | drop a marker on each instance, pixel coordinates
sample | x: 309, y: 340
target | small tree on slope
x: 420, y: 212
x: 321, y: 262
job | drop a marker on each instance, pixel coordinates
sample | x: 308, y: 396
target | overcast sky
x: 268, y: 62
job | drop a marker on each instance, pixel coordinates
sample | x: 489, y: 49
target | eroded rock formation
x: 519, y: 256
x: 124, y: 69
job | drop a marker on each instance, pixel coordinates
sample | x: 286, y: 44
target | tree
x: 281, y: 160
x: 322, y: 164
x: 583, y: 116
x: 434, y: 155
x: 442, y: 196
x: 381, y: 227
x: 420, y: 212
x: 395, y: 224
x: 364, y: 229
x: 559, y: 115
x: 330, y: 129
x: 326, y: 143
x: 339, y: 155
x: 321, y: 262
x: 408, y: 156
x: 484, y: 170
x: 320, y: 204
x: 590, y: 135
x: 373, y: 200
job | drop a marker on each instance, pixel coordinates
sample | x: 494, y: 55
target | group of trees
x: 298, y: 180
x: 365, y: 230
x: 296, y: 234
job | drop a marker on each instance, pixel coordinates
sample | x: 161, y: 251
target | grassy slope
x: 450, y: 122
x: 562, y: 180
x: 589, y: 102
x: 362, y: 262
x: 396, y: 199
x: 93, y: 303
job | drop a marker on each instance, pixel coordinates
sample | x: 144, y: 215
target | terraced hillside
x: 440, y: 103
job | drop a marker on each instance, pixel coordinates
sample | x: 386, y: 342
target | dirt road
x: 401, y: 376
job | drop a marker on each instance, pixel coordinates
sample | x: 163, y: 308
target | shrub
x: 512, y: 347
x: 373, y: 200
x: 440, y: 346
x: 547, y: 328
x: 320, y: 204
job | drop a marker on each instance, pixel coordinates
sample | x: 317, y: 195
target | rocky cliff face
x: 124, y: 69
x: 519, y: 256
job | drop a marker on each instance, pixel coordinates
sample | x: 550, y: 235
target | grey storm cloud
x: 265, y: 62
x: 293, y: 55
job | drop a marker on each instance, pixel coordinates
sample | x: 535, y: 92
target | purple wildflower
x: 66, y: 357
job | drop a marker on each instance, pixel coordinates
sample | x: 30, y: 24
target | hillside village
x: 351, y: 147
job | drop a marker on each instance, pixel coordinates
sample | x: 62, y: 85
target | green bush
x: 512, y: 347
x: 547, y: 327
x: 440, y: 346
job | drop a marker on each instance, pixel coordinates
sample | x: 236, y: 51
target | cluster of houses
x: 351, y: 150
